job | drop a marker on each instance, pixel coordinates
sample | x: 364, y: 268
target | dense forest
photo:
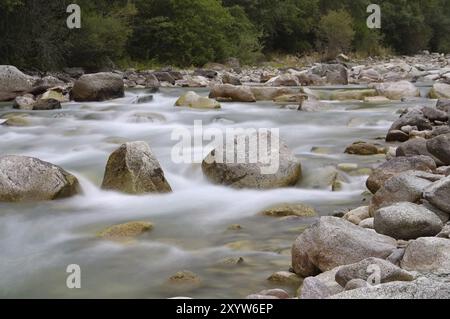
x: 34, y: 34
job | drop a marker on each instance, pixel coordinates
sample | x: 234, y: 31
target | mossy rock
x: 284, y: 210
x: 126, y: 232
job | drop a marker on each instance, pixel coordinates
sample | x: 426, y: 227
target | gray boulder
x: 313, y: 288
x: 333, y: 242
x: 437, y: 194
x: 404, y: 187
x: 133, y: 169
x: 247, y: 173
x: 13, y: 80
x: 407, y: 221
x: 396, y: 166
x: 428, y: 254
x: 439, y: 147
x: 422, y: 288
x: 414, y: 147
x: 98, y: 87
x: 26, y: 179
x: 372, y: 269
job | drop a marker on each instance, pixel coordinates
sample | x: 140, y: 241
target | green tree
x: 335, y: 33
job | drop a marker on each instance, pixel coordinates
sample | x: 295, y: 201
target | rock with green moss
x: 27, y: 179
x: 126, y: 232
x: 344, y: 95
x: 284, y: 210
x: 193, y: 100
x: 133, y: 169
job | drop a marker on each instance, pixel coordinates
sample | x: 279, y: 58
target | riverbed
x: 192, y: 225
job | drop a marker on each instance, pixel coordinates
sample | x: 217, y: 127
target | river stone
x: 228, y: 78
x: 439, y: 147
x: 356, y: 216
x: 272, y: 93
x: 414, y: 147
x: 125, y: 232
x: 252, y: 175
x: 362, y: 148
x: 397, y: 90
x: 440, y: 91
x: 164, y: 77
x: 184, y: 278
x: 422, y: 288
x: 428, y: 254
x: 443, y: 105
x: 313, y: 288
x: 434, y: 114
x: 333, y: 242
x: 407, y: 221
x: 437, y: 194
x: 367, y: 223
x: 404, y: 187
x: 396, y: 166
x: 26, y: 179
x: 193, y: 100
x: 285, y: 210
x: 133, y: 169
x: 285, y: 278
x: 397, y: 136
x: 13, y: 80
x: 46, y: 105
x: 413, y: 119
x: 98, y: 87
x: 356, y: 284
x: 232, y: 93
x: 346, y: 95
x: 445, y: 232
x: 24, y: 102
x: 365, y: 269
x: 283, y: 80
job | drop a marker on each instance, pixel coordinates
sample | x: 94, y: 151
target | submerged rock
x: 27, y: 179
x: 362, y: 148
x: 125, y: 232
x: 284, y: 210
x: 232, y: 93
x: 133, y: 169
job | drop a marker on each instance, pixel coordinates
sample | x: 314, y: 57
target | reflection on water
x: 38, y: 241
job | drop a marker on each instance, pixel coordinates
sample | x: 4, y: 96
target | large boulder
x: 25, y: 179
x: 414, y: 119
x: 437, y: 194
x: 428, y: 254
x: 250, y: 170
x: 396, y: 166
x: 422, y: 288
x: 13, y: 80
x: 193, y: 100
x: 440, y: 91
x: 397, y: 90
x: 333, y: 242
x: 98, y: 87
x: 404, y: 187
x: 439, y: 147
x: 232, y: 93
x: 434, y: 114
x: 133, y: 169
x: 365, y: 269
x: 407, y: 221
x: 313, y: 288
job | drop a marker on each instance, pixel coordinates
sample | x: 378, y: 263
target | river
x: 39, y: 240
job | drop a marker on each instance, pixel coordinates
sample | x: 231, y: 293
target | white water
x: 38, y: 241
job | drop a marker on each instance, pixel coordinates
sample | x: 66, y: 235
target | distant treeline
x: 34, y: 34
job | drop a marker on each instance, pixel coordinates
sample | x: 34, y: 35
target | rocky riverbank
x: 397, y: 246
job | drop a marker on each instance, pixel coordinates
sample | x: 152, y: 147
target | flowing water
x: 38, y: 241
